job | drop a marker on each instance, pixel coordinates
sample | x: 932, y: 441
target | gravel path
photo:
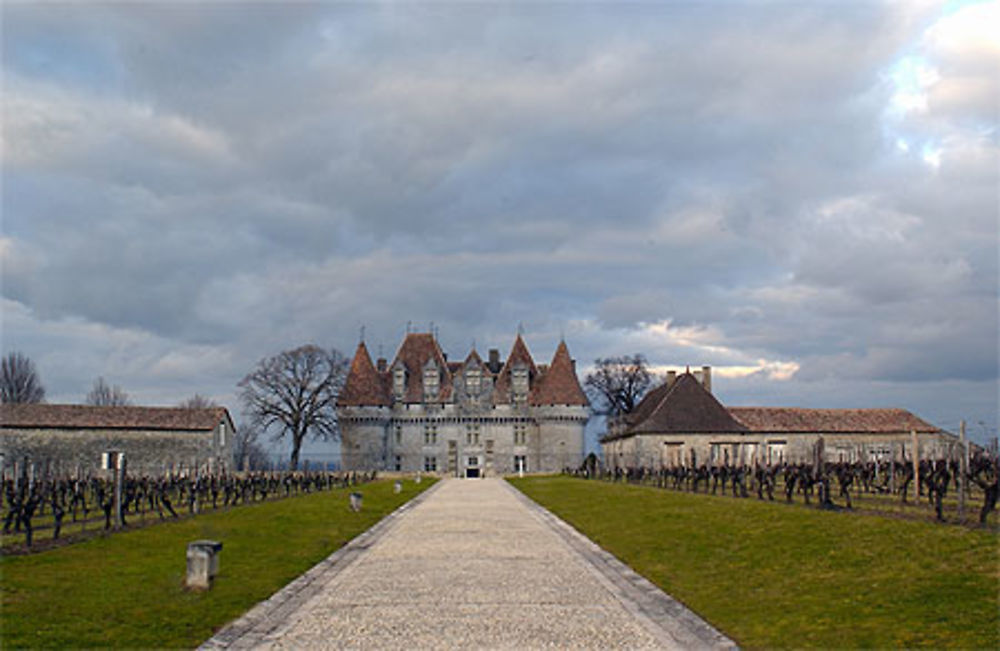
x: 470, y: 564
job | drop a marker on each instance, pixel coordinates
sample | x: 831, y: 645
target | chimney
x: 494, y: 360
x: 671, y: 378
x: 706, y: 378
x: 381, y: 365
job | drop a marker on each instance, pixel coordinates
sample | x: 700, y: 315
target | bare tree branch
x: 103, y: 394
x: 198, y: 401
x: 294, y: 393
x: 618, y: 383
x: 19, y: 381
x: 247, y: 450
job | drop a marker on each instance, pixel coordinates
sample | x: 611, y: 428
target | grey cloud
x: 246, y: 178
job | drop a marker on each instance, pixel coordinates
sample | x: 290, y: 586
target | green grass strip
x: 126, y: 590
x: 771, y: 575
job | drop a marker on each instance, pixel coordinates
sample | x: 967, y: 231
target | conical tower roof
x: 559, y: 384
x: 364, y: 385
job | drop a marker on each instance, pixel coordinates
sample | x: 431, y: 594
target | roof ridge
x: 56, y: 415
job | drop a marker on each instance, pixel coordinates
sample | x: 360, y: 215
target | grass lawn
x: 126, y: 590
x: 772, y: 575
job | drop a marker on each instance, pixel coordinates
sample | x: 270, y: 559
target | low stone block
x: 202, y: 563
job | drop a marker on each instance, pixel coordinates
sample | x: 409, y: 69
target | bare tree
x: 295, y: 393
x: 19, y: 380
x: 103, y: 394
x: 248, y: 453
x: 617, y: 384
x: 198, y: 401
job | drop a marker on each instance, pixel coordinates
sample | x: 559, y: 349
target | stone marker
x: 202, y: 563
x: 355, y: 502
x: 397, y: 487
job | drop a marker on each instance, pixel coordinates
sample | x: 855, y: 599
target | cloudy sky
x: 803, y: 195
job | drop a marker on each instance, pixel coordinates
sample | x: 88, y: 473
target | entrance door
x: 472, y: 468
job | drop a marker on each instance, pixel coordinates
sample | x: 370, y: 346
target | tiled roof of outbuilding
x: 686, y: 407
x: 46, y: 416
x: 364, y: 384
x: 559, y: 385
x: 797, y: 419
x: 648, y: 403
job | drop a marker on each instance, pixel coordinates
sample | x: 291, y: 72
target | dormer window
x: 473, y: 381
x: 519, y: 382
x: 431, y: 383
x: 399, y: 382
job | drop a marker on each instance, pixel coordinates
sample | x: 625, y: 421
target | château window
x: 430, y: 464
x: 473, y: 378
x: 520, y: 434
x: 399, y: 382
x: 398, y: 462
x: 430, y: 435
x: 431, y: 382
x: 520, y: 462
x: 399, y: 434
x: 519, y: 379
x: 472, y: 434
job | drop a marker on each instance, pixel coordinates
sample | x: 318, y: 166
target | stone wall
x: 146, y: 451
x: 665, y: 450
x: 369, y: 438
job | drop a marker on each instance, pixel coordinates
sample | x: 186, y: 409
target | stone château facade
x: 469, y: 418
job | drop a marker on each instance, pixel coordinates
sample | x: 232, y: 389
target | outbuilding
x: 682, y: 423
x: 67, y: 439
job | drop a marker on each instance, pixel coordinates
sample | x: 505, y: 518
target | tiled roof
x: 559, y: 385
x: 518, y: 355
x: 87, y: 417
x: 648, y: 403
x: 417, y: 349
x: 797, y: 419
x: 364, y: 385
x: 686, y: 407
x: 473, y: 358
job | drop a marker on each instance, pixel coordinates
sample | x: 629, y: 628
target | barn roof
x: 798, y: 419
x: 686, y: 407
x: 89, y: 417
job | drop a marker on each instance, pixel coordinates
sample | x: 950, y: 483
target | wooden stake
x: 963, y: 469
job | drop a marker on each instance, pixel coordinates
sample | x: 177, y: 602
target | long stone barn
x: 682, y: 423
x: 67, y: 439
